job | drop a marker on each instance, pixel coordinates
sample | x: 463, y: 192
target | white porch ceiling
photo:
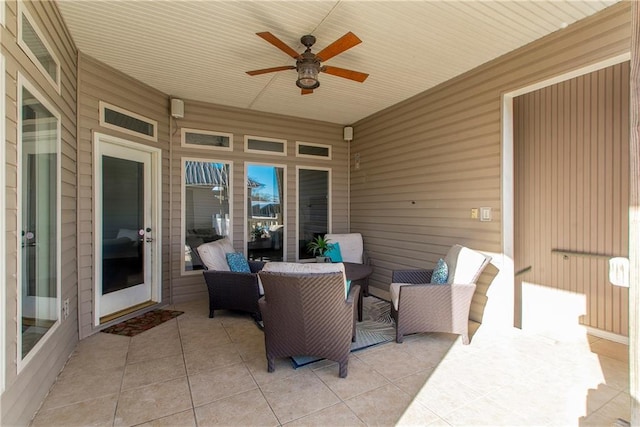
x: 200, y: 50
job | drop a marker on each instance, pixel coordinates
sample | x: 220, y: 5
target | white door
x: 127, y: 251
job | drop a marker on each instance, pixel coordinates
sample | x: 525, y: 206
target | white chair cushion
x: 351, y: 246
x: 465, y: 265
x: 307, y: 268
x: 214, y: 254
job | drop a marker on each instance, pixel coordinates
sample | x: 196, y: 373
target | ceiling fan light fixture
x: 308, y: 75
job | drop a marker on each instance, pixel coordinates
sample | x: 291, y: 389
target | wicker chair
x: 229, y: 290
x: 306, y: 314
x: 417, y: 305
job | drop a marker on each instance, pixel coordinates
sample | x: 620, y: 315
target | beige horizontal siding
x: 99, y: 82
x: 34, y: 380
x: 427, y: 161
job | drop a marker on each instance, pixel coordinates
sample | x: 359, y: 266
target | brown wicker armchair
x: 417, y: 305
x: 306, y: 314
x: 229, y: 290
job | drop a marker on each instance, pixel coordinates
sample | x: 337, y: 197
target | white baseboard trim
x: 607, y: 335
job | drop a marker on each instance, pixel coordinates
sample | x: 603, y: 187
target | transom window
x: 34, y: 44
x: 258, y: 144
x: 195, y: 138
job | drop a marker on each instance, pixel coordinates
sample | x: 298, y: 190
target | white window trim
x: 283, y: 202
x: 329, y: 204
x: 22, y: 10
x: 103, y: 123
x: 183, y: 235
x: 184, y: 143
x: 261, y: 138
x: 3, y: 242
x: 22, y: 363
x: 313, y: 144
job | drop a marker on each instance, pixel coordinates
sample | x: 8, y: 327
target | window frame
x: 183, y: 219
x: 184, y: 143
x: 24, y: 83
x: 283, y: 142
x: 22, y: 11
x: 3, y: 242
x: 313, y: 144
x: 283, y: 203
x: 103, y: 123
x: 329, y: 204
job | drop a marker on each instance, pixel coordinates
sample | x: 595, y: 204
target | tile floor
x: 196, y: 371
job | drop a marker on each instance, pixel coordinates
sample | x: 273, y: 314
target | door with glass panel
x: 126, y: 229
x: 265, y: 212
x: 313, y: 208
x: 39, y: 222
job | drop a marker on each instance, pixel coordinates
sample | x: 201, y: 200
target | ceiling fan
x: 308, y: 64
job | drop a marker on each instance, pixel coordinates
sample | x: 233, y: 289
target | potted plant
x: 319, y: 247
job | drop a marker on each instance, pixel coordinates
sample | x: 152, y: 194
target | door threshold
x: 124, y: 312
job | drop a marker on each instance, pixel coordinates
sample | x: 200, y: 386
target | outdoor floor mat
x: 142, y: 323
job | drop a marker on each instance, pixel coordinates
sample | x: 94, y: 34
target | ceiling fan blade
x: 271, y: 70
x: 279, y: 44
x: 306, y: 91
x: 347, y: 74
x: 345, y: 42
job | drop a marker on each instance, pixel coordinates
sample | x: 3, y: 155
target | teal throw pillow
x: 440, y: 273
x: 334, y: 252
x: 237, y: 262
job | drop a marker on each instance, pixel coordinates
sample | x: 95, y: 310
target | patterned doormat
x: 142, y: 323
x: 377, y: 327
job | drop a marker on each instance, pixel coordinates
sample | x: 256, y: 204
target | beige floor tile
x: 148, y: 403
x: 336, y: 415
x: 89, y: 384
x: 383, y: 406
x: 181, y: 419
x: 251, y: 348
x: 100, y: 342
x: 283, y: 369
x: 393, y: 362
x: 98, y: 358
x: 208, y: 386
x: 152, y: 371
x: 245, y: 409
x: 443, y: 394
x: 94, y: 412
x: 611, y: 349
x: 215, y: 357
x: 617, y: 408
x: 204, y: 341
x: 412, y: 384
x: 484, y: 412
x: 146, y: 348
x: 360, y: 379
x: 241, y: 331
x: 597, y: 398
x: 616, y: 373
x: 298, y: 396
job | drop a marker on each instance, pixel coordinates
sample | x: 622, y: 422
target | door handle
x: 149, y: 239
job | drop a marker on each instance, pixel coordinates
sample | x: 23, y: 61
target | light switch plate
x: 485, y: 214
x: 474, y: 213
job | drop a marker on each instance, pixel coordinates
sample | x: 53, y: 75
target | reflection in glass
x: 206, y: 207
x: 313, y: 207
x: 39, y: 219
x: 265, y: 220
x: 122, y: 224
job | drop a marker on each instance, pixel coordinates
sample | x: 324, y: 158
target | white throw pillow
x: 214, y: 254
x: 351, y: 246
x: 465, y: 265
